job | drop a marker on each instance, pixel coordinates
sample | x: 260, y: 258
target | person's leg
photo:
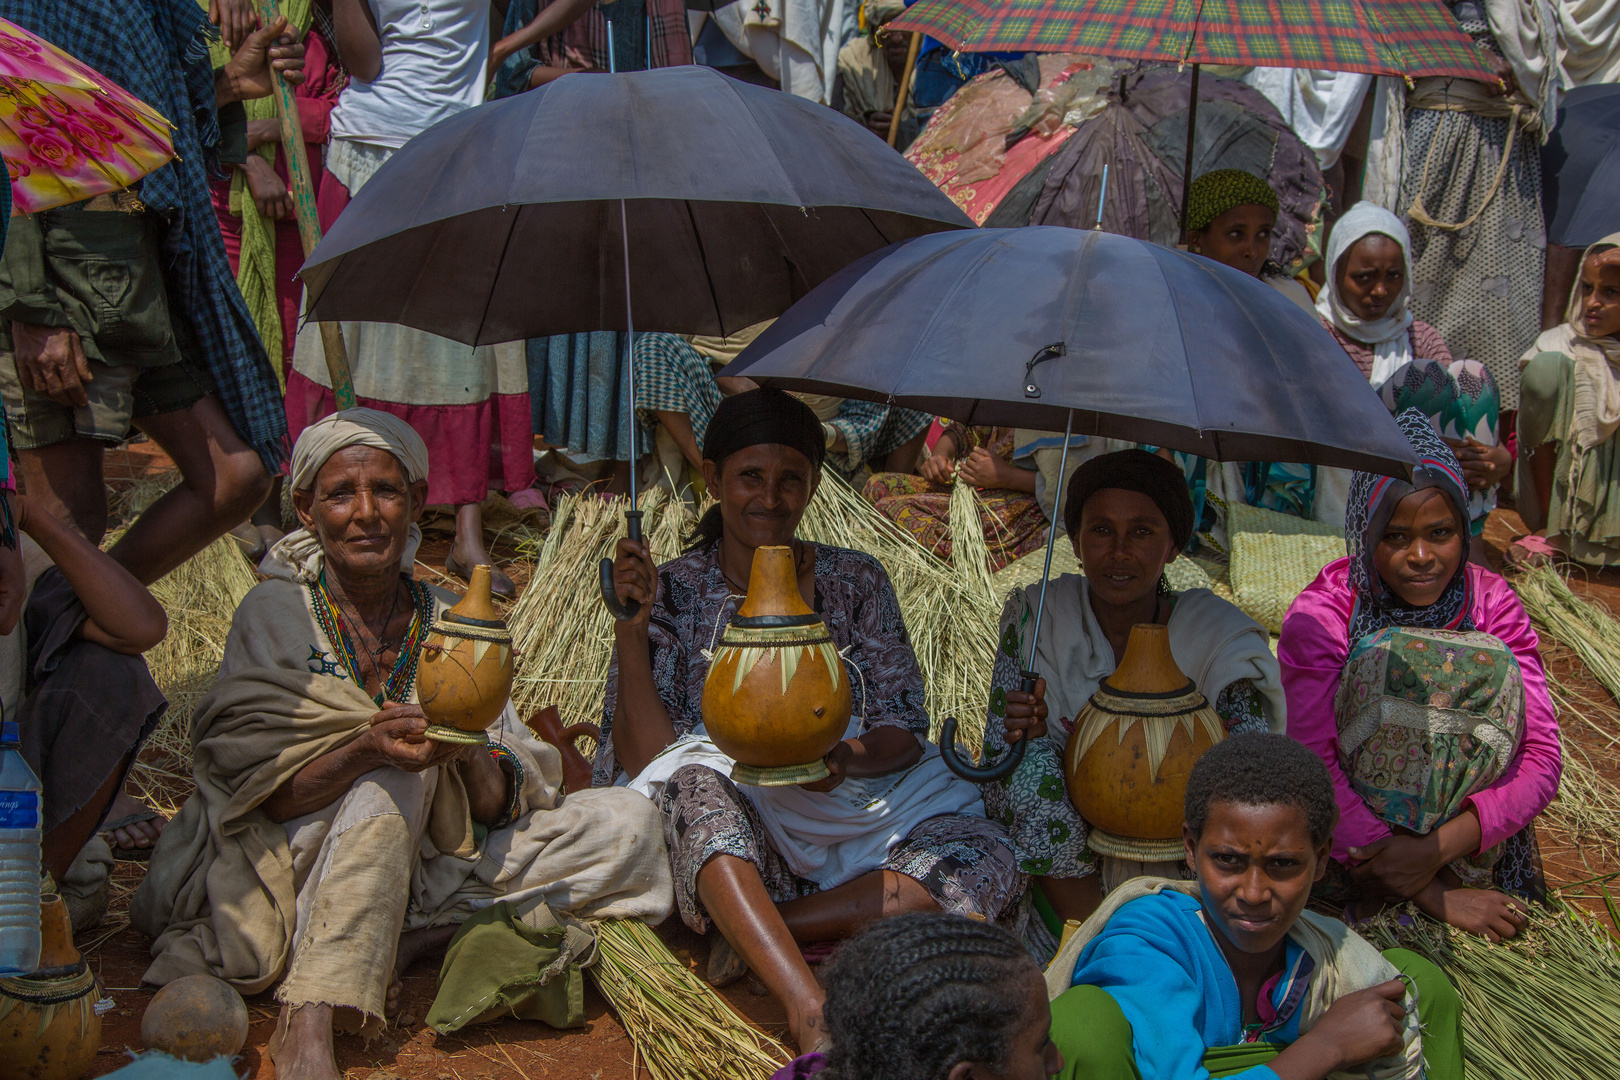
x: 1093, y: 1035
x: 222, y: 481
x: 734, y: 895
x: 679, y: 426
x: 468, y: 551
x: 1545, y: 402
x: 62, y: 844
x: 66, y: 479
x: 1073, y: 899
x: 1440, y: 1010
x: 903, y: 458
x: 843, y: 911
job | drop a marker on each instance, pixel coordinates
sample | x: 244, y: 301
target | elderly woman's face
x: 1240, y: 238
x: 763, y: 491
x: 1123, y: 543
x: 1371, y: 275
x: 1421, y: 548
x: 361, y: 508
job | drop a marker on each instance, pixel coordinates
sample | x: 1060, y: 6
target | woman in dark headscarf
x: 1414, y: 675
x: 891, y: 829
x: 1128, y: 515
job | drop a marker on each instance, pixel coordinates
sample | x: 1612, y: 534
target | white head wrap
x: 298, y: 556
x: 1389, y: 336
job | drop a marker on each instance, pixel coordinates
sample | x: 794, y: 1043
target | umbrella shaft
x: 1187, y: 168
x: 1051, y: 542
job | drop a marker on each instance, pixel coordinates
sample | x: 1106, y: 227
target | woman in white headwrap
x: 1569, y: 471
x: 329, y: 841
x: 1366, y: 305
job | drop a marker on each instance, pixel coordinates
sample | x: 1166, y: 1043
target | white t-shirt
x: 434, y: 56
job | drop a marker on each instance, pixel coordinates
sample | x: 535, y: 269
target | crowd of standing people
x: 1397, y: 743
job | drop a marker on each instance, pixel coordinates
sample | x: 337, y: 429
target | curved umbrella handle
x: 623, y: 611
x: 989, y: 773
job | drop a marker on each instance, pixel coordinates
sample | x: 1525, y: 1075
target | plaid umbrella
x: 1379, y: 37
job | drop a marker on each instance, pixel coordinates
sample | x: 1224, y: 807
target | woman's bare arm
x: 359, y: 43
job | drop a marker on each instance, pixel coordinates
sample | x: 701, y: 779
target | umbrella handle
x: 626, y: 610
x: 989, y: 773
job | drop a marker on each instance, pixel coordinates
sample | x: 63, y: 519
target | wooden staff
x: 309, y: 225
x: 905, y: 87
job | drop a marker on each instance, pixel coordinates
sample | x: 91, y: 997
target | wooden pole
x: 309, y: 225
x: 905, y: 87
x: 1187, y: 169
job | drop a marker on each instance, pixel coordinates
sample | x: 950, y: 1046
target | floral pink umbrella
x: 67, y: 132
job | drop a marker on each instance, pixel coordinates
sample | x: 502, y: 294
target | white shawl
x: 1213, y: 643
x: 1596, y: 409
x: 1390, y: 336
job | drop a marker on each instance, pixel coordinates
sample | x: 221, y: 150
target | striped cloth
x: 158, y: 51
x: 1379, y: 37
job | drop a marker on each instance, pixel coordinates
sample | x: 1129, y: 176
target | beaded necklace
x: 330, y: 618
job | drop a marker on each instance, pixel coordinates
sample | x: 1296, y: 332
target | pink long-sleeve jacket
x: 1313, y: 651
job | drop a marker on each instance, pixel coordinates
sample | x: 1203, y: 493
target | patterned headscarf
x: 1214, y: 193
x: 1372, y: 501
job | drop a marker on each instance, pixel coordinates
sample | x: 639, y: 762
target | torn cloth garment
x: 322, y: 899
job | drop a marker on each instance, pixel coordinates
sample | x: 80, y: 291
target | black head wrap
x: 1139, y: 471
x: 761, y: 416
x: 755, y: 418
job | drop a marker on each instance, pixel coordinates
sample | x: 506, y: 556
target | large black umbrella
x: 712, y: 203
x: 1055, y: 328
x: 1580, y: 168
x: 503, y: 222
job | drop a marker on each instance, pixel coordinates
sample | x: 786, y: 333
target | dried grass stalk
x: 681, y: 1029
x: 1587, y: 627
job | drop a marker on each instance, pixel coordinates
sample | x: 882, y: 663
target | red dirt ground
x: 517, y: 1050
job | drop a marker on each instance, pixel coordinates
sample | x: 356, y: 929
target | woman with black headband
x: 1414, y: 675
x: 1128, y: 515
x: 889, y: 831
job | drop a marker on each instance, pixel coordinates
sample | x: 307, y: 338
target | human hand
x: 878, y: 123
x: 397, y: 737
x: 1026, y: 713
x: 635, y: 577
x: 1483, y: 466
x: 837, y: 762
x: 268, y: 190
x: 982, y: 469
x: 939, y: 467
x: 235, y: 19
x: 1364, y: 1025
x: 263, y: 133
x: 1486, y: 912
x: 51, y: 360
x: 1398, y: 866
x: 248, y: 74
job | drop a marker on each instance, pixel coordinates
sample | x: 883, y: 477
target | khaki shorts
x: 117, y: 396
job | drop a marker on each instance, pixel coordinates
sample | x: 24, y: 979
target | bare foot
x: 139, y: 834
x: 1492, y: 915
x: 468, y: 551
x: 301, y: 1047
x: 806, y: 1025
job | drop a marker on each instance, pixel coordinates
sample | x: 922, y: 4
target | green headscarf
x: 1214, y: 193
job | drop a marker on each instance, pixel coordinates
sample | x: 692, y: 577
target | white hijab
x: 298, y: 556
x: 1390, y: 336
x: 1595, y: 415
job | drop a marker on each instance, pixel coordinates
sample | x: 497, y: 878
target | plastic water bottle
x: 20, y: 832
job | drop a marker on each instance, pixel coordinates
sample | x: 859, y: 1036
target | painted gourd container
x: 777, y: 697
x: 465, y: 675
x: 49, y: 1027
x: 1132, y: 749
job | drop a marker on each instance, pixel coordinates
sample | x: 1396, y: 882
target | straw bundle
x: 1586, y: 627
x: 1542, y: 1006
x: 970, y: 555
x: 680, y: 1028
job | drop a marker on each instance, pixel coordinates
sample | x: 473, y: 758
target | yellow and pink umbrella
x: 67, y: 132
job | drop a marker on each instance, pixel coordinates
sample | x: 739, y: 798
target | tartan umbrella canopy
x: 1409, y: 38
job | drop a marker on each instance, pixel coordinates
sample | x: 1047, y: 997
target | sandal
x: 499, y: 583
x: 124, y: 854
x: 1536, y: 550
x: 725, y: 966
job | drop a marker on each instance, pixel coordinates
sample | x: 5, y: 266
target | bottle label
x: 19, y: 809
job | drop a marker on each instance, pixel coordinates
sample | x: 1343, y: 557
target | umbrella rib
x: 506, y: 245
x: 703, y: 257
x: 944, y: 305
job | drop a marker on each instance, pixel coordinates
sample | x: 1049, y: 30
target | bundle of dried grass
x: 1588, y: 628
x: 681, y: 1029
x: 1542, y: 1006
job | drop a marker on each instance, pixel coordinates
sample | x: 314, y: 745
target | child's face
x: 1255, y: 866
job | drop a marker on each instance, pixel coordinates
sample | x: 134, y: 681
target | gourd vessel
x: 465, y: 675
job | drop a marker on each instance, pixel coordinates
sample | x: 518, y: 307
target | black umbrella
x: 1582, y: 206
x: 1055, y: 328
x: 714, y: 203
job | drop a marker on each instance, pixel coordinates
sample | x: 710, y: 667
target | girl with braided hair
x: 933, y: 997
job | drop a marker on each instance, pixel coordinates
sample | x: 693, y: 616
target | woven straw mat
x: 1274, y: 556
